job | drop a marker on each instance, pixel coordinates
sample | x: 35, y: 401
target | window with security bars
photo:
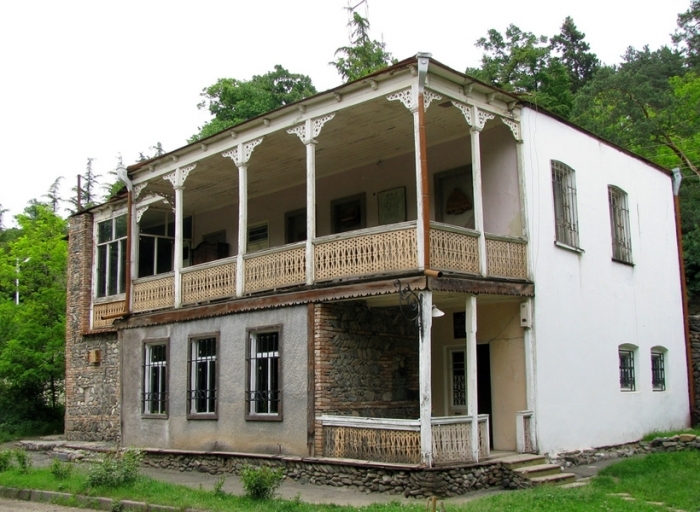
x: 155, y: 379
x: 627, y: 382
x: 264, y: 393
x: 565, y: 212
x: 203, y: 372
x: 620, y: 225
x: 459, y: 394
x: 658, y: 373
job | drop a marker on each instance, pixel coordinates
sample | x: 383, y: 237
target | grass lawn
x: 671, y: 478
x: 653, y: 435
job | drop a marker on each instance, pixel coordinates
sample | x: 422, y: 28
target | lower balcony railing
x: 374, y: 251
x: 106, y: 309
x: 398, y: 440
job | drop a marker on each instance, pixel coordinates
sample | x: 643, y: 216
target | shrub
x: 260, y: 483
x: 218, y: 487
x: 61, y: 470
x: 116, y: 470
x: 5, y: 460
x: 24, y: 461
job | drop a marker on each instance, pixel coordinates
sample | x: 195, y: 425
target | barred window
x: 459, y: 389
x: 620, y: 225
x: 565, y: 211
x: 658, y: 372
x: 264, y: 396
x: 627, y: 381
x: 155, y: 379
x: 110, y: 276
x: 203, y: 373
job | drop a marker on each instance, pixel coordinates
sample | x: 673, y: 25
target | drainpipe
x: 677, y: 178
x: 123, y: 175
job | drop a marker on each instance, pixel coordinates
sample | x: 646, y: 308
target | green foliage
x: 363, y: 56
x: 89, y: 189
x: 218, y: 486
x: 5, y: 460
x: 574, y: 53
x: 61, y: 470
x: 233, y: 101
x: 116, y: 470
x: 688, y: 34
x: 261, y: 483
x: 24, y: 461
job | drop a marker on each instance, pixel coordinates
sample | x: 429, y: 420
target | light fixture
x: 436, y: 313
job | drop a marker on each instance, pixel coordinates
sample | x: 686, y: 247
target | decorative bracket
x: 481, y: 118
x: 316, y: 126
x: 140, y: 212
x: 466, y: 111
x: 246, y: 152
x: 179, y: 175
x: 428, y: 97
x: 139, y: 188
x: 405, y: 97
x: 514, y: 127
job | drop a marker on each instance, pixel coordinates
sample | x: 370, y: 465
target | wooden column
x: 242, y: 228
x: 478, y: 198
x: 424, y: 376
x: 310, y: 207
x: 472, y: 392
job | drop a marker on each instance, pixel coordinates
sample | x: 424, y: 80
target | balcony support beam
x: 472, y: 392
x: 242, y: 228
x: 478, y: 198
x: 424, y: 376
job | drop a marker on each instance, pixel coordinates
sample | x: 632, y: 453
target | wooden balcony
x: 355, y: 254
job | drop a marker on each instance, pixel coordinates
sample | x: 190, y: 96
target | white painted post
x: 242, y: 224
x: 478, y: 198
x: 424, y: 376
x: 472, y: 392
x: 530, y: 388
x: 420, y: 206
x: 310, y: 205
x: 177, y: 263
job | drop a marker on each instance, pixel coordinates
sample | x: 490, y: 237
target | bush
x: 260, y: 483
x: 116, y: 470
x: 24, y: 461
x: 5, y: 460
x: 61, y: 470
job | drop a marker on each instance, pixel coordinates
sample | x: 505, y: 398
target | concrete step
x: 522, y: 460
x: 561, y: 478
x: 538, y: 470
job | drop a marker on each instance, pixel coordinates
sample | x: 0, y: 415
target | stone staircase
x: 536, y: 469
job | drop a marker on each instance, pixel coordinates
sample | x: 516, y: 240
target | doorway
x: 483, y: 384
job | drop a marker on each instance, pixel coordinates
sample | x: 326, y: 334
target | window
x: 658, y: 371
x: 458, y: 383
x: 155, y: 379
x: 258, y: 236
x: 203, y: 376
x: 620, y: 225
x: 295, y: 226
x: 565, y: 212
x: 264, y: 400
x: 626, y: 356
x: 157, y: 242
x: 348, y: 213
x: 110, y: 278
x: 454, y: 197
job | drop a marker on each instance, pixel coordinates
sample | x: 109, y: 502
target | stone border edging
x: 89, y: 502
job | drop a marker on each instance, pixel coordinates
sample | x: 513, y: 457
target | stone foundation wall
x: 695, y: 351
x: 410, y: 482
x: 366, y: 363
x: 92, y: 390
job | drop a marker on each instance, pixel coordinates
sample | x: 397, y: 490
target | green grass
x: 670, y: 433
x: 671, y: 478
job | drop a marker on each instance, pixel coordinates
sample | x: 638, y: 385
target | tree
x: 89, y: 185
x: 363, y: 56
x: 53, y: 195
x: 523, y: 63
x: 575, y: 54
x: 233, y: 101
x: 688, y: 33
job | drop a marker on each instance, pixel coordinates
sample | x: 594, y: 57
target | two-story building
x: 414, y: 267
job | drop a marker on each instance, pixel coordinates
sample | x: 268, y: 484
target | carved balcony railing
x: 275, y: 268
x: 366, y: 252
x: 103, y: 309
x: 209, y: 281
x: 506, y: 257
x: 150, y: 293
x: 454, y: 249
x: 525, y: 432
x: 484, y: 437
x: 452, y: 439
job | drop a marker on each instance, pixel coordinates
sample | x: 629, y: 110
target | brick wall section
x: 695, y: 350
x: 92, y: 391
x: 366, y: 363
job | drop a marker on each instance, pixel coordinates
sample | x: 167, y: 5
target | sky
x: 98, y: 79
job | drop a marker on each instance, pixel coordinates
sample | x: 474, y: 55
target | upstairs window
x: 620, y: 225
x: 263, y: 389
x: 565, y: 212
x: 658, y: 369
x: 157, y: 242
x: 110, y: 276
x: 258, y: 237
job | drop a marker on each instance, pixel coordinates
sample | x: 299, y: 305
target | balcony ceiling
x: 366, y: 133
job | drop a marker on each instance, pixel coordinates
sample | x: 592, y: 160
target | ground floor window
x: 627, y: 380
x: 458, y: 381
x: 263, y: 393
x: 203, y: 376
x: 155, y: 379
x: 658, y: 371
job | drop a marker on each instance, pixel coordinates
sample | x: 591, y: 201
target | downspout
x: 677, y: 178
x: 423, y: 62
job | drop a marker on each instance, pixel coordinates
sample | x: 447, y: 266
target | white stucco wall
x: 586, y: 304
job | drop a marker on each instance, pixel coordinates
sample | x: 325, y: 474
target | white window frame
x: 566, y: 225
x: 620, y: 232
x: 273, y: 363
x: 261, y: 244
x: 108, y: 216
x: 451, y: 406
x: 627, y: 370
x: 149, y: 366
x: 211, y: 365
x: 658, y: 354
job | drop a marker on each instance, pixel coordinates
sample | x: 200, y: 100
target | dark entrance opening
x: 483, y: 384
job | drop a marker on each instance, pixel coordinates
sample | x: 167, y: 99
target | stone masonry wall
x: 92, y: 390
x: 695, y: 351
x: 366, y: 363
